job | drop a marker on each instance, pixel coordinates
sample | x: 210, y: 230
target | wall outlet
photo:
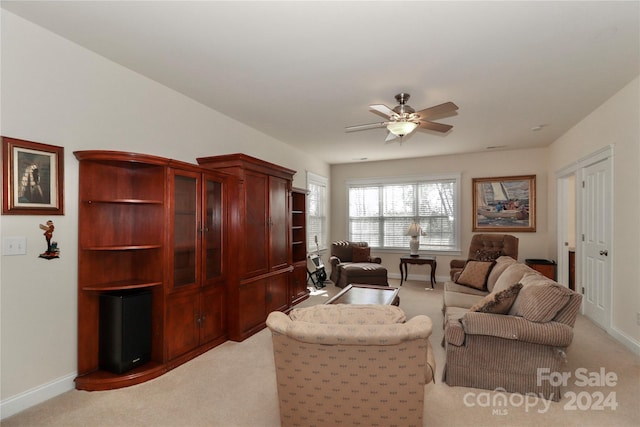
x: 14, y: 246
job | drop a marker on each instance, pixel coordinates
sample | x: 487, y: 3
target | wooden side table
x: 431, y: 260
x: 543, y: 266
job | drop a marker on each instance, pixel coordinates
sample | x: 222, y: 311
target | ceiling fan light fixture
x: 402, y: 119
x: 401, y: 128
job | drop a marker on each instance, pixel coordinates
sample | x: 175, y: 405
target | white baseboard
x: 29, y: 398
x: 625, y: 340
x: 419, y: 277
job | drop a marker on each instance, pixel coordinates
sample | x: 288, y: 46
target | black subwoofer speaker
x: 125, y: 330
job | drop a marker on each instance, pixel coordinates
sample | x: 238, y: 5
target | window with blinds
x: 316, y: 212
x: 380, y: 212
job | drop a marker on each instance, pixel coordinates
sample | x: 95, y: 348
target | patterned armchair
x: 351, y: 365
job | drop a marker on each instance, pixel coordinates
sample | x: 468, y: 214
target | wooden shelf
x: 121, y: 237
x: 103, y: 380
x: 138, y: 221
x: 299, y: 290
x: 125, y: 201
x: 122, y: 247
x: 118, y: 286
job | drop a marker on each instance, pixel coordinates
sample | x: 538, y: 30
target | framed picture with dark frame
x: 33, y: 178
x: 504, y: 204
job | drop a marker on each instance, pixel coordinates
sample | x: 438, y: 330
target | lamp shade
x: 413, y: 230
x: 401, y: 128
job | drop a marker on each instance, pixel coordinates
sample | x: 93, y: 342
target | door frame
x: 604, y: 154
x: 566, y: 204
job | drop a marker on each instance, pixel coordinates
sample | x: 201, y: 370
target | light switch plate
x: 14, y: 246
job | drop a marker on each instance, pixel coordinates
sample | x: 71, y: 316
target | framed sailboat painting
x: 504, y: 204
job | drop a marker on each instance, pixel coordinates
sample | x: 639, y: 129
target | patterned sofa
x: 351, y: 365
x: 500, y: 333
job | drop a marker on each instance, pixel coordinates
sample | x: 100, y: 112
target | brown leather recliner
x: 485, y: 247
x: 347, y: 268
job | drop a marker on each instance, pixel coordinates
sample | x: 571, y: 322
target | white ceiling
x: 302, y: 71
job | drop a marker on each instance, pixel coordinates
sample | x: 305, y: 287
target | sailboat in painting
x: 494, y: 202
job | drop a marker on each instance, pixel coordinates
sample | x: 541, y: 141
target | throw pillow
x: 502, y: 264
x: 498, y: 303
x: 475, y: 274
x: 512, y: 274
x: 360, y: 254
x: 488, y: 254
x: 540, y: 303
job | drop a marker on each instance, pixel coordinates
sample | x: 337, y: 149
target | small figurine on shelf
x: 52, y: 247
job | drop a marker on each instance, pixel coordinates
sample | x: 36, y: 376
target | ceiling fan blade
x: 382, y: 110
x: 365, y: 126
x: 439, y: 127
x: 447, y: 107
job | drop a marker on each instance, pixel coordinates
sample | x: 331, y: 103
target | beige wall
x: 57, y: 93
x: 478, y: 165
x: 615, y: 123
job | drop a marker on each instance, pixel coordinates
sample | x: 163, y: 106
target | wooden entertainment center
x: 219, y: 245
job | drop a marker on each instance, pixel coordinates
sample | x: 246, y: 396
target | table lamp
x: 414, y: 231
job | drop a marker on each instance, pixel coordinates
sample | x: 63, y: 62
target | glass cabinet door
x: 185, y: 230
x: 213, y: 231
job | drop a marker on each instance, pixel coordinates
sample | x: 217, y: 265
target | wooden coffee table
x: 366, y: 294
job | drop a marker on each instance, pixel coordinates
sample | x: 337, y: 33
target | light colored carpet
x: 234, y: 385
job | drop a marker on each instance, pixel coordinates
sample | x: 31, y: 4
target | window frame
x: 452, y: 249
x: 320, y: 181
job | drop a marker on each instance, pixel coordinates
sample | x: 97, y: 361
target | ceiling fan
x: 402, y: 119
